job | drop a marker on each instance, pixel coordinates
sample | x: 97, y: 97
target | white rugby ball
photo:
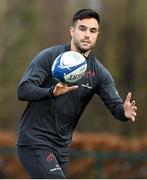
x: 69, y: 67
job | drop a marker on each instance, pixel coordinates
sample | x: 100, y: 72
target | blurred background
x: 102, y: 146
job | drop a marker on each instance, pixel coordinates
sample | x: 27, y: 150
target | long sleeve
x: 110, y: 96
x: 31, y: 86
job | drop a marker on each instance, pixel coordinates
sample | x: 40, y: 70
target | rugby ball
x: 69, y: 67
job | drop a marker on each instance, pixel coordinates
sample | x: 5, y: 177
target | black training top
x: 50, y: 121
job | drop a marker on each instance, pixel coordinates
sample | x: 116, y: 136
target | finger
x: 133, y: 103
x: 132, y: 118
x: 134, y: 113
x: 59, y: 85
x: 134, y: 108
x: 73, y: 88
x: 128, y: 98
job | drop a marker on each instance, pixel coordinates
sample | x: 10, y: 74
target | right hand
x: 61, y: 89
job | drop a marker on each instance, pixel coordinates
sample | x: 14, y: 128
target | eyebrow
x: 83, y: 26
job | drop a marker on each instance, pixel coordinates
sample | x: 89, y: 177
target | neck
x: 74, y: 48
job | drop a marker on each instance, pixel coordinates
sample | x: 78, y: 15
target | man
x: 54, y: 108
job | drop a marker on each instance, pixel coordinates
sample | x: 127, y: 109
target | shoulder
x: 49, y: 54
x: 101, y: 68
x: 102, y: 72
x: 52, y: 51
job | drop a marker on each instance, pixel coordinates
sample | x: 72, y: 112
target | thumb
x: 59, y: 84
x: 128, y: 98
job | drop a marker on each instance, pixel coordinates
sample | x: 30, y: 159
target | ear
x: 98, y: 29
x: 71, y: 31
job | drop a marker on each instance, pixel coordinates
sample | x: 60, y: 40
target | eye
x: 93, y: 30
x: 82, y: 28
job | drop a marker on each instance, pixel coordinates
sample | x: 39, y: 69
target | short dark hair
x: 86, y: 13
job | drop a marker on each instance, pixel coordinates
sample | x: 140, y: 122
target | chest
x: 88, y: 83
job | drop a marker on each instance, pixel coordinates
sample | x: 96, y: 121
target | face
x: 84, y: 35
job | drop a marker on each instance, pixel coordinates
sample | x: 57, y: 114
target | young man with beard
x: 54, y: 108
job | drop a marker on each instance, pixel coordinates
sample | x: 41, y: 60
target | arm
x: 30, y: 87
x: 110, y: 96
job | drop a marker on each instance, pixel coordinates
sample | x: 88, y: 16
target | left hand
x: 130, y: 108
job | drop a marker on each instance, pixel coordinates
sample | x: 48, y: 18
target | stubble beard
x: 81, y: 49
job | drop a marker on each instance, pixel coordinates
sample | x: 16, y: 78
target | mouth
x: 86, y: 41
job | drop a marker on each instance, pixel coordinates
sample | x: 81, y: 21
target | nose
x: 87, y: 33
